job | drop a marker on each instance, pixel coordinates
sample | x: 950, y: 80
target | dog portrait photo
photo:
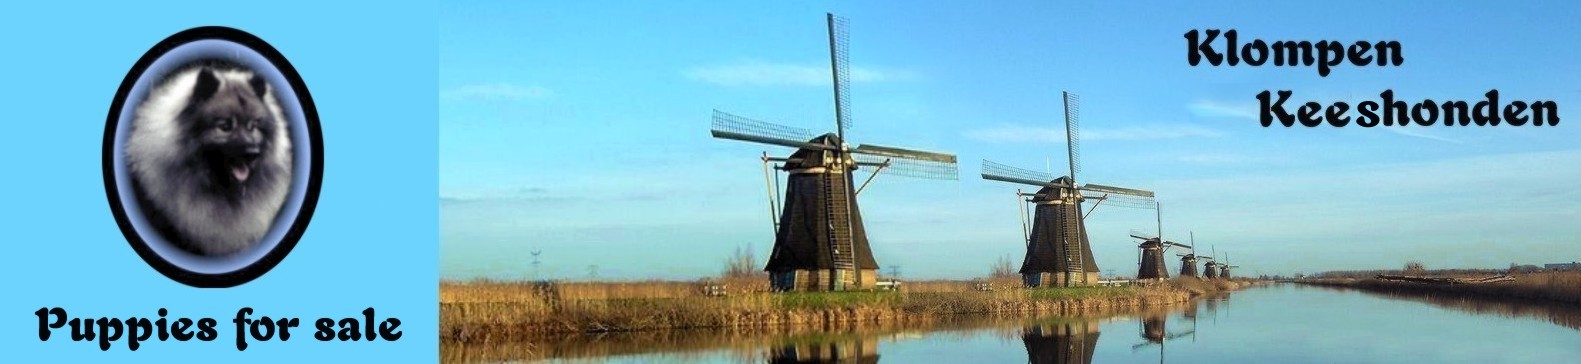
x: 210, y: 157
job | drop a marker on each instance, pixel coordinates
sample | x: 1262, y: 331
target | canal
x: 1282, y: 323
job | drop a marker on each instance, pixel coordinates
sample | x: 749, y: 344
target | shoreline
x: 483, y: 312
x: 1547, y: 288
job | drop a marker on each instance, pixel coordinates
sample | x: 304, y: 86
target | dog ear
x: 206, y: 85
x: 259, y: 86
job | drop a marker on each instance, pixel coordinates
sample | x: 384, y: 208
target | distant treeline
x: 1431, y: 272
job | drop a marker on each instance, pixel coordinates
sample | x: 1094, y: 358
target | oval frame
x: 179, y: 268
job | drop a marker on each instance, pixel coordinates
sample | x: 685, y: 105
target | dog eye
x: 225, y: 124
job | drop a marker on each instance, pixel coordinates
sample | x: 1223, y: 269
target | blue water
x: 1279, y: 324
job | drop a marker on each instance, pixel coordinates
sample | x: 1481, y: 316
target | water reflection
x: 1556, y: 313
x: 853, y: 350
x: 1068, y: 342
x: 1262, y: 327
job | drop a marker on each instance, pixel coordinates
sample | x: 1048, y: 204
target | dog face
x: 230, y: 128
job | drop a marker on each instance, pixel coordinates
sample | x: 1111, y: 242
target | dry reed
x: 493, y: 311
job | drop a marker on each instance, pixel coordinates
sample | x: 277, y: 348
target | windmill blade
x: 904, y: 153
x: 735, y: 127
x: 1142, y: 235
x: 1171, y: 243
x: 1073, y: 132
x: 1125, y: 201
x: 906, y: 167
x: 840, y: 59
x: 1116, y: 190
x: 1006, y: 173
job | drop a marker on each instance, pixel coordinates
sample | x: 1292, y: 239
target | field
x: 490, y: 311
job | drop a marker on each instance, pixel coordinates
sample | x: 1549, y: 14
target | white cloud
x: 495, y: 91
x: 1216, y: 109
x: 758, y: 73
x: 1035, y: 134
x: 1407, y: 131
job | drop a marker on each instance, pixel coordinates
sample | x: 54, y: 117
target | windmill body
x: 1210, y: 270
x: 820, y: 242
x: 1152, y: 264
x: 1188, y: 265
x: 1059, y: 253
x: 1224, y: 269
x: 1188, y: 261
x: 816, y: 244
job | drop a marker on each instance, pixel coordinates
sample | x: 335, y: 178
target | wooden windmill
x: 819, y: 241
x: 1188, y: 260
x: 1058, y: 251
x: 1150, y: 259
x: 1210, y: 270
x: 1224, y: 269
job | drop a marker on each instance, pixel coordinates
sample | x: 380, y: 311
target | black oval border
x: 315, y: 175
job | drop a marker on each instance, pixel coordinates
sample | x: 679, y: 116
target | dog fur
x: 210, y: 158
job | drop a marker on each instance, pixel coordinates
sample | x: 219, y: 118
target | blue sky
x: 581, y: 129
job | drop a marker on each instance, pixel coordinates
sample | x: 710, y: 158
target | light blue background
x: 373, y: 238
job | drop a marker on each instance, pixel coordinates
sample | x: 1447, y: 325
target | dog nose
x: 252, y: 151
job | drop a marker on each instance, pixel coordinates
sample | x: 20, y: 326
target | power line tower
x: 535, y: 264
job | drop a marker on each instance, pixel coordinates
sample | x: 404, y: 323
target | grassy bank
x: 490, y: 311
x: 1550, y: 287
x: 753, y: 344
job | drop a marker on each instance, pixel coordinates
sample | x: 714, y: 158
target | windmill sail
x: 904, y: 153
x: 839, y: 60
x: 1073, y: 132
x: 735, y: 127
x: 1005, y: 173
x: 914, y: 168
x: 1116, y: 190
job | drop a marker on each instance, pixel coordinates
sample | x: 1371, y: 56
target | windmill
x: 1150, y: 263
x: 1224, y: 269
x: 819, y: 240
x: 1210, y: 270
x: 1188, y: 260
x: 1058, y: 251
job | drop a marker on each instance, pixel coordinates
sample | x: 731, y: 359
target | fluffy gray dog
x: 210, y: 158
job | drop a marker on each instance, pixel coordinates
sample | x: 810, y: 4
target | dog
x: 210, y: 158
